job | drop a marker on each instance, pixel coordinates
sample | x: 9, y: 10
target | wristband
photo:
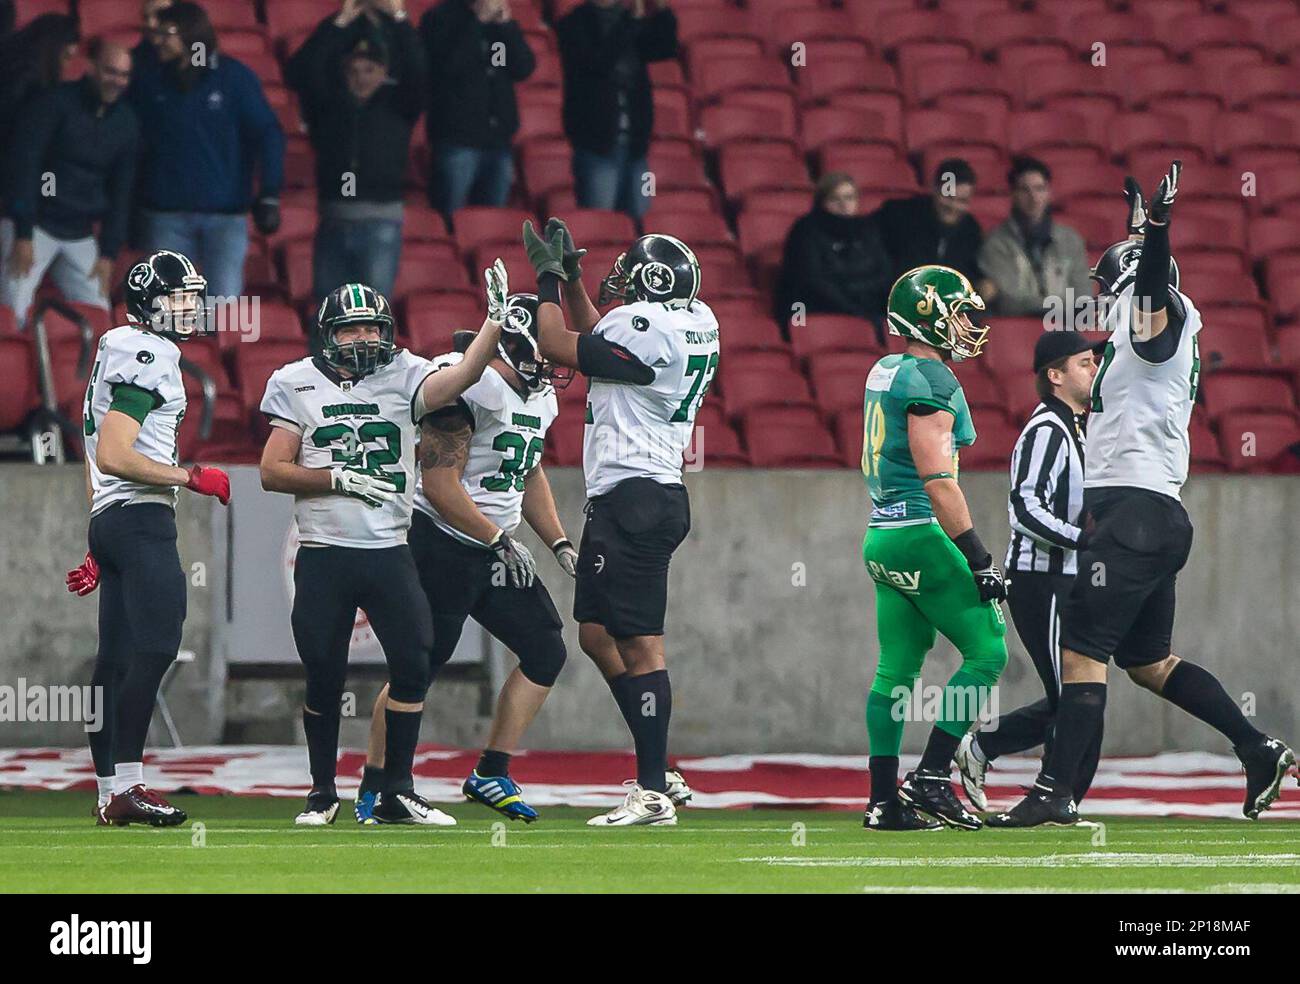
x: 973, y: 550
x: 563, y: 541
x: 548, y: 288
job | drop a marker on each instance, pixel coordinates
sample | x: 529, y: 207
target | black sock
x: 939, y: 751
x: 1198, y: 692
x: 1079, y: 716
x: 372, y: 780
x: 108, y: 679
x: 137, y: 694
x: 322, y: 731
x: 884, y: 778
x: 493, y: 763
x: 399, y: 748
x: 618, y: 687
x: 647, y: 702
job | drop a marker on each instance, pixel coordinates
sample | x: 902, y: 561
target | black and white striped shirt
x: 1046, y: 501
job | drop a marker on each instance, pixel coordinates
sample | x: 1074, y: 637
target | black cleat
x: 894, y: 815
x: 1039, y: 808
x: 932, y: 793
x: 140, y: 804
x: 1267, y: 763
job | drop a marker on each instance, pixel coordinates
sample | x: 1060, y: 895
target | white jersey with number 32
x: 130, y: 356
x: 1137, y: 430
x: 365, y: 424
x: 643, y: 431
x: 509, y: 437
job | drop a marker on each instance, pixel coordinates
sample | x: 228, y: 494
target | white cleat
x: 641, y: 808
x: 410, y: 808
x: 317, y: 814
x: 678, y: 791
x: 973, y: 769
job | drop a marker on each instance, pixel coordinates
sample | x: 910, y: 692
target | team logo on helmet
x: 658, y: 277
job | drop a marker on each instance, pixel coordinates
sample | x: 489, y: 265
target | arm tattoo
x: 444, y: 442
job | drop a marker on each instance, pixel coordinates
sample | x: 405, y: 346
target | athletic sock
x: 649, y: 700
x: 1198, y: 692
x: 104, y: 789
x: 884, y: 778
x: 372, y: 780
x: 1079, y: 715
x: 618, y: 687
x: 493, y: 763
x: 939, y: 751
x: 322, y: 732
x: 106, y: 679
x: 126, y: 775
x: 399, y: 748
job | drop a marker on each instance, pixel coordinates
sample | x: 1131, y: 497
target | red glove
x: 209, y: 481
x: 84, y: 579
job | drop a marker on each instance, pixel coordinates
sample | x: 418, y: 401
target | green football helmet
x: 930, y: 304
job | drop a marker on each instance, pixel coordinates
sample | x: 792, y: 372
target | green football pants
x: 924, y: 585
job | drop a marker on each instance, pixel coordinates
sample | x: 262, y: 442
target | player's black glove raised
x: 546, y: 255
x: 988, y: 579
x: 516, y: 558
x: 572, y: 256
x: 1137, y: 208
x: 1162, y: 202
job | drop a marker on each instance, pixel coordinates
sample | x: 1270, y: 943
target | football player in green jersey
x: 932, y: 573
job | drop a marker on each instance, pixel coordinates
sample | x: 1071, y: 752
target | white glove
x: 517, y: 558
x: 566, y: 556
x: 374, y: 490
x: 498, y: 291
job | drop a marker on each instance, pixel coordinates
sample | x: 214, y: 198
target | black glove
x: 266, y: 215
x: 1162, y: 202
x: 517, y: 559
x: 546, y: 255
x: 572, y: 256
x: 1137, y: 210
x: 988, y: 579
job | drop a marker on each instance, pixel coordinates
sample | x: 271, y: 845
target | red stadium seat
x: 823, y: 126
x: 847, y: 427
x: 746, y: 389
x: 1226, y: 392
x: 1253, y: 442
x: 715, y: 445
x: 821, y: 79
x: 870, y: 165
x: 833, y: 333
x: 1009, y: 351
x: 896, y: 28
x: 286, y: 17
x: 719, y: 21
x: 994, y: 441
x: 1235, y: 132
x: 1275, y: 186
x: 781, y: 445
x: 1032, y: 131
x: 478, y: 225
x: 1271, y: 234
x: 431, y: 318
x: 712, y: 79
x: 428, y: 266
x: 598, y: 226
x: 760, y: 230
x: 694, y: 228
x: 19, y: 396
x: 254, y: 364
x: 942, y: 78
x: 1201, y: 31
x: 840, y: 387
x: 741, y: 176
x: 734, y: 122
x: 982, y: 389
x: 1238, y: 346
x: 752, y: 330
x: 988, y: 33
x: 925, y: 127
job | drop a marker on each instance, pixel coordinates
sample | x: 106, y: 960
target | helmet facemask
x: 360, y: 356
x: 182, y: 314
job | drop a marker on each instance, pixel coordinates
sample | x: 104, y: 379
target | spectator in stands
x: 150, y: 34
x: 206, y: 122
x: 834, y: 260
x: 34, y: 58
x: 935, y: 227
x: 73, y: 168
x: 361, y: 80
x: 477, y: 53
x: 608, y: 110
x: 1031, y: 261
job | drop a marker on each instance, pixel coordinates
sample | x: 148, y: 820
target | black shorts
x: 459, y: 583
x: 1122, y: 601
x: 142, y: 589
x: 627, y: 543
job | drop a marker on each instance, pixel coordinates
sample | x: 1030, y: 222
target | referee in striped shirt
x: 1047, y: 531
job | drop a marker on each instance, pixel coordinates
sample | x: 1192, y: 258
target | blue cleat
x: 500, y: 793
x: 364, y: 807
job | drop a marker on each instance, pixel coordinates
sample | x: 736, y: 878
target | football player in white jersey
x: 134, y: 404
x: 342, y: 442
x: 1138, y: 452
x: 649, y: 363
x: 480, y: 457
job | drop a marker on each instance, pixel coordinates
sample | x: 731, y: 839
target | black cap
x: 1054, y: 345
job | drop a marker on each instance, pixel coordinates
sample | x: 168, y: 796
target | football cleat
x: 678, y: 791
x: 931, y: 793
x: 1266, y: 762
x: 364, y: 807
x: 139, y: 804
x: 100, y: 819
x: 972, y: 769
x: 409, y: 807
x: 500, y: 793
x: 895, y: 815
x: 641, y: 808
x: 1040, y: 808
x: 321, y: 810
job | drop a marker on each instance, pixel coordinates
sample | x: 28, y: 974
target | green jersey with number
x: 509, y: 437
x: 896, y: 382
x: 367, y: 423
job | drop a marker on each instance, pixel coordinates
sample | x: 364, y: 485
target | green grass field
x: 48, y: 843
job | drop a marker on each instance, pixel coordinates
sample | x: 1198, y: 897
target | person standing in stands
x: 605, y: 46
x: 208, y: 124
x: 361, y: 80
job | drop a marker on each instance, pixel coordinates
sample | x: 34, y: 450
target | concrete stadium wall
x: 771, y: 634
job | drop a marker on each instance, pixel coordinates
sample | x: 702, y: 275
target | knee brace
x: 541, y: 662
